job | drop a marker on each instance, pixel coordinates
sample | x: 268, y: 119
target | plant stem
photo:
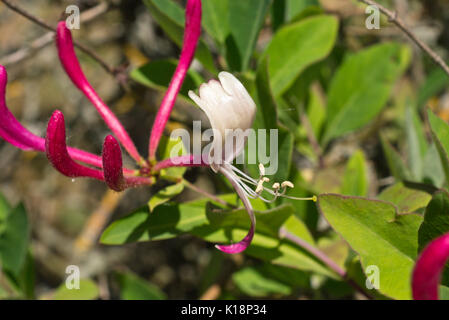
x: 393, y: 17
x: 114, y: 71
x: 320, y: 255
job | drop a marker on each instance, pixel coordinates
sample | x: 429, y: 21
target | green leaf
x: 254, y: 283
x: 165, y: 195
x: 395, y: 163
x: 357, y: 96
x: 88, y: 290
x: 14, y: 240
x: 440, y: 135
x: 406, y: 199
x: 170, y: 16
x: 157, y: 75
x: 4, y: 209
x: 416, y: 143
x: 355, y: 181
x: 297, y: 46
x: 435, y: 83
x: 133, y: 287
x: 432, y: 168
x: 216, y: 19
x: 436, y: 219
x: 217, y: 226
x: 245, y: 20
x: 380, y: 235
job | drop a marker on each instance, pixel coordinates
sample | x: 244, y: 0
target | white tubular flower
x: 231, y: 111
x: 229, y: 108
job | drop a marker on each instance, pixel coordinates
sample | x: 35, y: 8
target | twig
x: 47, y: 38
x: 41, y: 42
x: 393, y: 17
x: 96, y: 222
x: 317, y: 253
x: 212, y: 293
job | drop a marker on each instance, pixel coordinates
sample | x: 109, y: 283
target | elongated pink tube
x: 181, y: 161
x: 428, y: 269
x: 191, y: 35
x: 113, y: 167
x: 12, y: 131
x: 57, y: 154
x: 70, y: 62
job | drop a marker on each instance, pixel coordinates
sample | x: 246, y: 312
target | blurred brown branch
x: 96, y: 222
x: 393, y: 17
x: 44, y: 40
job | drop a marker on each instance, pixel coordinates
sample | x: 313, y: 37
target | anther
x: 287, y: 184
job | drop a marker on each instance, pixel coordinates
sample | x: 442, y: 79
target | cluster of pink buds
x: 75, y: 163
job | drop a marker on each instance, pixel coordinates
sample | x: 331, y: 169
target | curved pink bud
x: 70, y: 62
x: 181, y: 161
x: 246, y: 241
x: 12, y: 131
x: 112, y: 164
x: 192, y: 33
x: 428, y: 269
x: 113, y: 167
x: 57, y: 154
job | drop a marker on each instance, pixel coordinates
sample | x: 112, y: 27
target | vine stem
x: 320, y: 255
x: 393, y: 17
x: 113, y: 71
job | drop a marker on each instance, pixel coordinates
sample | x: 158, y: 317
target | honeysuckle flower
x: 429, y: 268
x: 191, y: 35
x: 231, y: 110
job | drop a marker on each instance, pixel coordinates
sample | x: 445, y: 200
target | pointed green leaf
x: 357, y: 96
x: 14, y: 240
x: 380, y: 235
x: 297, y: 46
x: 407, y: 200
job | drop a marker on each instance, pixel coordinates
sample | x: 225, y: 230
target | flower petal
x: 428, y: 269
x: 191, y: 35
x: 57, y: 154
x: 70, y: 62
x: 246, y: 241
